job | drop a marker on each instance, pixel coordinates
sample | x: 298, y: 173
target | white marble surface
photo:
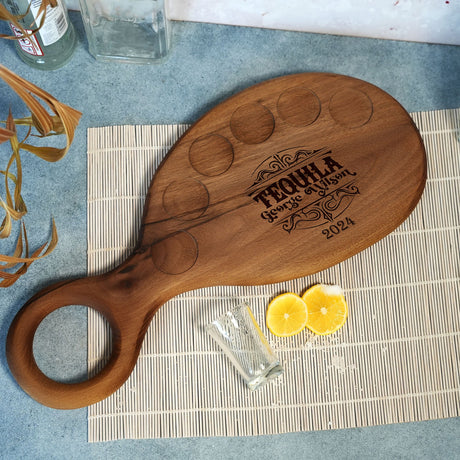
x: 429, y: 21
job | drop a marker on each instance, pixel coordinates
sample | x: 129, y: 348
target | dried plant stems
x: 62, y: 121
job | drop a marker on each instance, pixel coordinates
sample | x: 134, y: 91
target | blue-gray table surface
x: 207, y: 64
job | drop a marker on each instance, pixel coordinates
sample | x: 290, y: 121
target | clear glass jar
x: 136, y: 31
x: 53, y: 45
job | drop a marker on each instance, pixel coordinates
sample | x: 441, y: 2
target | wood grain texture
x: 280, y: 181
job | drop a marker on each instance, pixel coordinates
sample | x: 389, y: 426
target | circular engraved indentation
x: 185, y: 199
x: 211, y: 155
x: 350, y: 108
x: 299, y: 106
x: 252, y: 123
x: 175, y: 254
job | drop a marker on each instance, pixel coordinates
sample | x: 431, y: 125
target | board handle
x: 127, y: 315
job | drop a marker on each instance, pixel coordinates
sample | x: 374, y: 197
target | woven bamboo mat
x: 395, y: 360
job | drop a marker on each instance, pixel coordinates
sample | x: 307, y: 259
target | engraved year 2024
x: 339, y: 227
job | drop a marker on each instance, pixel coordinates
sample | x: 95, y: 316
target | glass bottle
x: 53, y: 45
x: 134, y: 31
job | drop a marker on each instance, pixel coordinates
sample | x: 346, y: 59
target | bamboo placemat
x: 395, y: 360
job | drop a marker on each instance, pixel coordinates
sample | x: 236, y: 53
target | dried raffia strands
x: 62, y: 121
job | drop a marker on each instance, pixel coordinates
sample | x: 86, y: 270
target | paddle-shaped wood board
x: 282, y: 180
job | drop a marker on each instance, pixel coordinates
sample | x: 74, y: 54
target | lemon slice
x: 327, y: 309
x: 286, y: 315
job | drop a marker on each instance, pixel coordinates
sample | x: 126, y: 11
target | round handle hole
x: 60, y: 344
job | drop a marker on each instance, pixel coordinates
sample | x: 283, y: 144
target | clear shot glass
x: 241, y: 339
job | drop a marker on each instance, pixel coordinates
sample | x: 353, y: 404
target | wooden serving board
x: 282, y: 180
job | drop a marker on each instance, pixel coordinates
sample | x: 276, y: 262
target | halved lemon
x: 286, y: 315
x: 327, y: 308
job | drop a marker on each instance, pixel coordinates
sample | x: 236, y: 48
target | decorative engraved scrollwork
x: 324, y: 210
x: 277, y: 163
